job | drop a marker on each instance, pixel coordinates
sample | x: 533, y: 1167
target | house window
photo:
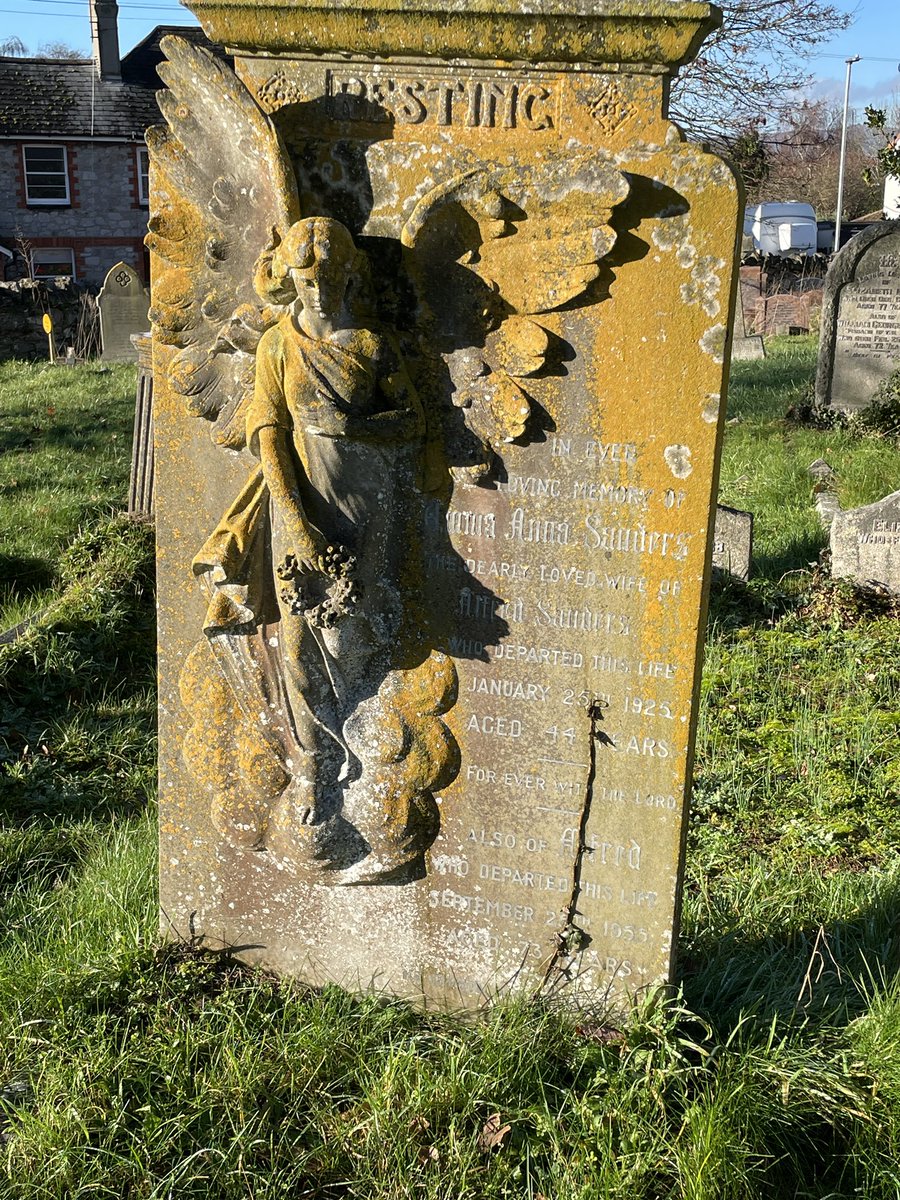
x: 143, y: 172
x: 46, y: 175
x: 52, y: 260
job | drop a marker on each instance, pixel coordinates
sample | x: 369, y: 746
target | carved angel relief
x: 316, y: 693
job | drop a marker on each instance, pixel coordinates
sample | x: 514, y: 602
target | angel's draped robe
x: 351, y: 493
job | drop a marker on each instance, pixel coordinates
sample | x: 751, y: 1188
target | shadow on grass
x: 77, y: 721
x: 753, y: 385
x: 798, y: 555
x: 23, y: 575
x: 806, y: 970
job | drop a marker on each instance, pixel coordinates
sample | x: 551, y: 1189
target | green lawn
x: 131, y: 1071
x: 65, y: 453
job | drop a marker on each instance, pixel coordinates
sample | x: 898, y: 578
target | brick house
x: 73, y: 164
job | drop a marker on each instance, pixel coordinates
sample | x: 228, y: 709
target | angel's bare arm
x: 281, y: 476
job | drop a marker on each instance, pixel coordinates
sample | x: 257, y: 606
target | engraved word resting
x: 410, y: 99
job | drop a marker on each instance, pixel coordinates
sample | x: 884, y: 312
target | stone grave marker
x: 824, y: 491
x: 437, y: 412
x: 865, y: 543
x: 733, y: 541
x: 860, y: 324
x: 744, y: 347
x: 123, y: 304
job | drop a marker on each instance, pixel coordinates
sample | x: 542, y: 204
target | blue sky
x: 875, y: 35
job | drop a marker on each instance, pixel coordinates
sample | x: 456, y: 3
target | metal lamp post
x: 840, y: 193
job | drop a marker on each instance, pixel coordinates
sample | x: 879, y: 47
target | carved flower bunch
x: 322, y: 597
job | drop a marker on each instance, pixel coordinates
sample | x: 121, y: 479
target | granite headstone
x: 860, y: 324
x: 123, y: 304
x: 733, y: 541
x: 440, y: 306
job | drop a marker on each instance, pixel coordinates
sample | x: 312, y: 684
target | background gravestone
x: 123, y: 303
x: 733, y: 541
x: 860, y: 329
x: 744, y: 347
x: 865, y: 543
x: 539, y: 268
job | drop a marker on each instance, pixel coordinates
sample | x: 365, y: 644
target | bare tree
x: 62, y: 50
x: 13, y: 47
x: 802, y: 158
x: 749, y: 71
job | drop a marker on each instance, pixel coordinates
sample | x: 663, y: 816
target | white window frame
x: 143, y: 173
x: 51, y: 254
x: 65, y: 172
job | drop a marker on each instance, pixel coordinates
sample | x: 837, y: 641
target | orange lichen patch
x: 234, y: 767
x: 658, y: 31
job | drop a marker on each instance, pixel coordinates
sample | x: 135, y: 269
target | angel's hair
x: 315, y: 238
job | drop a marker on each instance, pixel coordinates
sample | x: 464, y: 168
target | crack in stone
x: 572, y: 939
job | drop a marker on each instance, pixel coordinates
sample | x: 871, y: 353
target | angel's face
x: 322, y: 286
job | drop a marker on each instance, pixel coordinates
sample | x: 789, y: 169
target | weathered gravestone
x: 860, y: 327
x: 123, y: 305
x: 744, y: 347
x: 733, y: 541
x: 438, y: 358
x: 824, y: 491
x: 865, y: 543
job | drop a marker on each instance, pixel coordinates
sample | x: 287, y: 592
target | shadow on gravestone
x: 124, y: 304
x: 860, y: 323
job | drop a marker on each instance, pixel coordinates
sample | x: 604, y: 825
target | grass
x: 65, y: 452
x: 128, y: 1069
x: 765, y: 460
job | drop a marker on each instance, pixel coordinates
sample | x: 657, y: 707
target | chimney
x: 105, y: 38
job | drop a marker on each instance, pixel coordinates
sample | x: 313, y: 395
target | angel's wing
x: 224, y: 195
x: 491, y: 249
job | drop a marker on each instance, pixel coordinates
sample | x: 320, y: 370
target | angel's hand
x: 309, y: 547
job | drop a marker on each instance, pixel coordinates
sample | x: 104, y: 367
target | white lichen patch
x: 713, y: 342
x: 678, y: 460
x: 674, y: 233
x: 712, y: 404
x: 705, y: 284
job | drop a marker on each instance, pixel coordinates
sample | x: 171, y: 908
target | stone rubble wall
x: 22, y: 307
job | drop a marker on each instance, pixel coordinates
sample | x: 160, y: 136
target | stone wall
x: 22, y: 307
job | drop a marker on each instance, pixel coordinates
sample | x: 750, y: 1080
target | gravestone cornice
x: 641, y: 34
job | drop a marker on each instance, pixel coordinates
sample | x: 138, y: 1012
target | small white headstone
x: 124, y: 304
x: 733, y: 541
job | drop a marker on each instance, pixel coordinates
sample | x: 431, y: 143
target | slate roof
x: 45, y: 97
x: 139, y: 65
